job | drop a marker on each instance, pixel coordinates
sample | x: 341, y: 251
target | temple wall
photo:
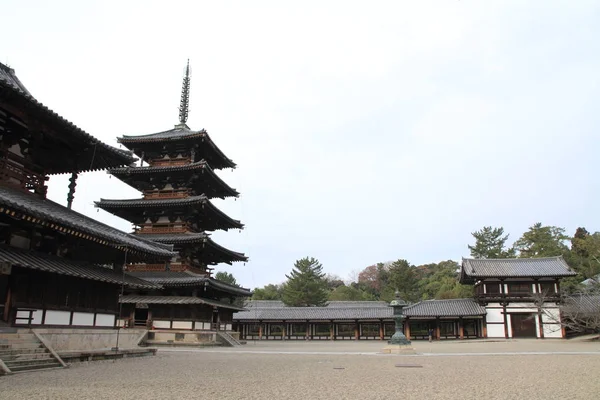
x: 65, y: 318
x: 90, y: 339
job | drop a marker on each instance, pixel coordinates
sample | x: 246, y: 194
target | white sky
x: 363, y: 131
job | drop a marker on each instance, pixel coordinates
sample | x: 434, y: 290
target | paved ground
x: 323, y: 370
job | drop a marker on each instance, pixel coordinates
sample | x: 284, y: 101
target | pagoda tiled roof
x: 140, y: 205
x: 187, y: 278
x: 547, y: 267
x: 176, y: 238
x: 179, y: 133
x: 100, y: 155
x: 163, y: 168
x: 196, y: 237
x: 124, y: 173
x: 58, y: 265
x: 131, y: 299
x: 33, y: 207
x: 145, y: 203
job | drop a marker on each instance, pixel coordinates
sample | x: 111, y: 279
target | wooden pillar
x: 283, y: 332
x: 407, y: 328
x: 356, y: 330
x: 307, y: 330
x: 332, y: 331
x: 461, y: 331
x: 484, y: 326
x: 260, y: 330
x: 437, y: 329
x: 381, y: 333
x: 504, y: 316
x: 7, y: 305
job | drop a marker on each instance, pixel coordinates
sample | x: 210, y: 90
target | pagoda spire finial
x: 185, y: 96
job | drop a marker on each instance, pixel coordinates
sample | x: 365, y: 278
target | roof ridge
x: 513, y: 258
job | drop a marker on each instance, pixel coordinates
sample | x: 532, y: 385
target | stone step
x: 35, y: 367
x: 17, y: 363
x: 21, y: 346
x: 15, y: 336
x: 25, y: 357
x: 10, y: 352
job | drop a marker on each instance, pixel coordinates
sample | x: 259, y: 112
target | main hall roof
x: 62, y: 266
x: 92, y: 153
x: 34, y: 207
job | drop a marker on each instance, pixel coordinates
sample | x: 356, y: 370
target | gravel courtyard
x: 340, y: 370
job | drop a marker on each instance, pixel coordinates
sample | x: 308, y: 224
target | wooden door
x: 523, y: 325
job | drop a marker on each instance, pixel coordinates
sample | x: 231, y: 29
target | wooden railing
x: 14, y: 173
x: 162, y: 162
x: 162, y: 229
x: 171, y: 194
x: 514, y: 295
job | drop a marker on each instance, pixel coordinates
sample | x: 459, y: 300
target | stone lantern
x: 398, y: 343
x: 398, y: 305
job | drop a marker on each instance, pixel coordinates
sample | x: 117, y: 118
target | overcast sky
x: 363, y: 131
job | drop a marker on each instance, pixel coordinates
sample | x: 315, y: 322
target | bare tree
x: 579, y: 312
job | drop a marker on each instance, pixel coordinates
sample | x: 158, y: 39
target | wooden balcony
x: 170, y: 194
x: 147, y: 267
x: 515, y: 296
x: 14, y: 173
x: 162, y: 228
x: 172, y: 162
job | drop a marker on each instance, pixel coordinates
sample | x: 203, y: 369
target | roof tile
x: 62, y: 266
x: 515, y: 268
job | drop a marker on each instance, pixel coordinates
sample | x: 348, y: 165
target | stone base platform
x: 398, y: 349
x: 96, y: 355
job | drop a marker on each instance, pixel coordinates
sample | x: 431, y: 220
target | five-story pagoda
x: 177, y: 184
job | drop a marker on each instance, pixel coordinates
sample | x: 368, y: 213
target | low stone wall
x: 90, y: 339
x: 172, y: 336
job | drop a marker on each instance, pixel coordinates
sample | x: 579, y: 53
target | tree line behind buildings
x: 308, y: 285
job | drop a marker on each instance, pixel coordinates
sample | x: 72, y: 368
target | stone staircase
x: 227, y: 339
x: 22, y: 351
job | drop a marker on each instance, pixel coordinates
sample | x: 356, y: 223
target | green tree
x: 442, y: 282
x: 404, y: 278
x: 491, y: 243
x: 227, y: 278
x: 268, y: 292
x: 349, y: 293
x: 584, y: 258
x: 334, y: 281
x: 542, y: 241
x: 306, y: 285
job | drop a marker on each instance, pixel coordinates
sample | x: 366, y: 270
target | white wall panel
x: 552, y: 331
x: 105, y: 320
x: 495, y: 330
x: 551, y: 315
x: 494, y: 315
x: 182, y: 324
x: 161, y: 324
x: 83, y: 319
x: 37, y: 317
x: 57, y: 317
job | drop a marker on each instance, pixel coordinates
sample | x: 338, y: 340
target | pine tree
x: 306, y: 285
x: 490, y: 243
